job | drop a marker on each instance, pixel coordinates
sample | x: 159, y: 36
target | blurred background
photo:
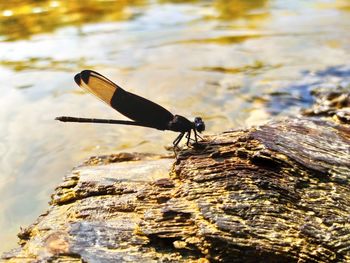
x: 236, y: 63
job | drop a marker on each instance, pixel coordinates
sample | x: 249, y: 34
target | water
x: 235, y: 63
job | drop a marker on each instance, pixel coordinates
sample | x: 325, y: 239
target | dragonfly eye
x: 199, y: 124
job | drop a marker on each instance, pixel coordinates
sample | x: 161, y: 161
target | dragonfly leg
x: 195, y: 135
x: 199, y: 137
x: 188, y: 136
x: 191, y: 139
x: 176, y: 142
x: 178, y: 139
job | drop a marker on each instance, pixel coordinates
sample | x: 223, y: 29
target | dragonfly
x: 141, y: 111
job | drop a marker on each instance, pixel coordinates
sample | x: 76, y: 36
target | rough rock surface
x: 276, y: 193
x: 334, y: 103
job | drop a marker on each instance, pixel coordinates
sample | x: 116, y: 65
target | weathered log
x: 276, y: 193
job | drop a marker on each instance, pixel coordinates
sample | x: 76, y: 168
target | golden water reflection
x: 253, y: 10
x: 21, y: 19
x: 343, y: 5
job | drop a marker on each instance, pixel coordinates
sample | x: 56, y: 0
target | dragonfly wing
x: 130, y: 105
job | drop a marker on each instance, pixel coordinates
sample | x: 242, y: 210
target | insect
x: 143, y: 112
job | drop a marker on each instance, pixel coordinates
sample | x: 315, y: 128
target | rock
x: 334, y: 103
x: 276, y: 193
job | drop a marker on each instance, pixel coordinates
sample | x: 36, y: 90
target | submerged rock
x: 333, y: 103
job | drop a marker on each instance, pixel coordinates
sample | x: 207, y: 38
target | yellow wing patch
x: 96, y: 84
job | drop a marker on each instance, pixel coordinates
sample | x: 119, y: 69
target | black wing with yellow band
x: 130, y: 105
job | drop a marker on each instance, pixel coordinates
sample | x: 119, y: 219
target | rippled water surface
x: 235, y: 63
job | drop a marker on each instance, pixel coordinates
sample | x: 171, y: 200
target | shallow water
x: 235, y: 63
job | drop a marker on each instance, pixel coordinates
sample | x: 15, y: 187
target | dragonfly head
x: 199, y: 124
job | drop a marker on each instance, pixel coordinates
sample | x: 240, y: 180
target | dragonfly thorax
x: 180, y: 124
